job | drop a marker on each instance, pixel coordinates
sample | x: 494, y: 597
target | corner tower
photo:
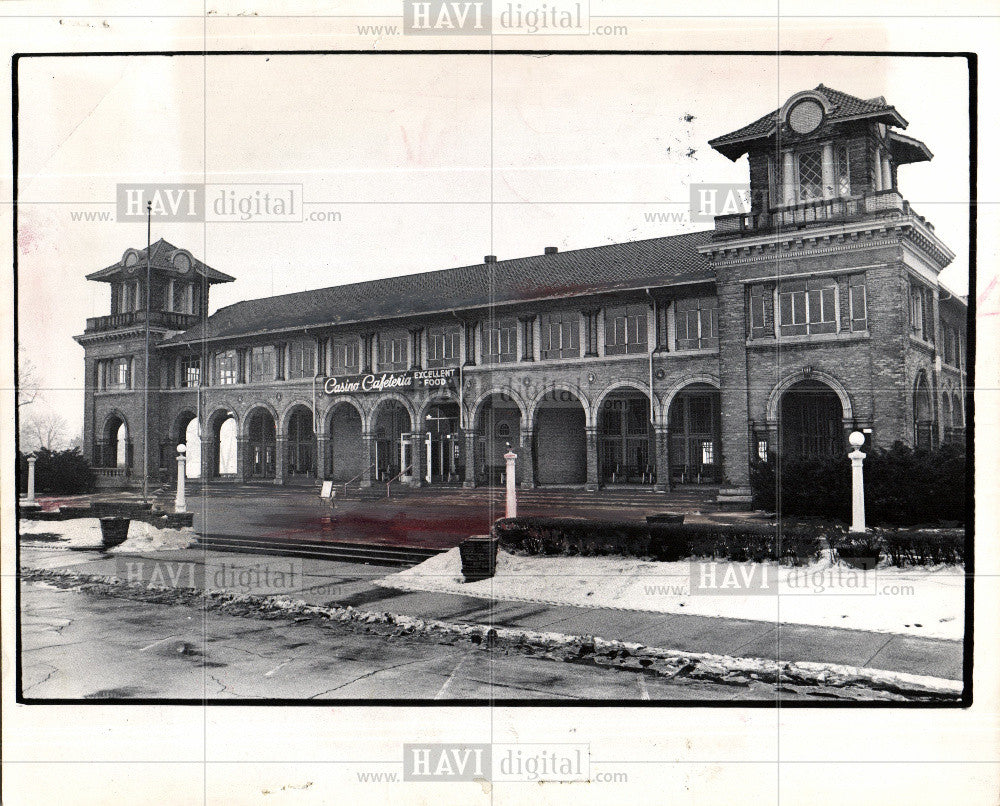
x: 828, y: 285
x: 115, y: 344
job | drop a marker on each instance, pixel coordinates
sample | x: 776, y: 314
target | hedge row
x: 902, y: 486
x: 676, y: 541
x: 737, y: 542
x: 57, y: 472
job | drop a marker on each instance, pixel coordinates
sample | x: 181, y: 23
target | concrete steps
x: 368, y: 553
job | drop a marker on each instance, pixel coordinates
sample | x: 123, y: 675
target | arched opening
x: 811, y: 421
x: 190, y: 436
x: 498, y: 429
x: 392, y: 451
x: 695, y: 435
x: 957, y: 411
x: 346, y: 460
x: 560, y: 449
x: 222, y: 445
x: 300, y: 444
x: 443, y: 459
x: 625, y: 439
x: 923, y: 414
x: 261, y: 439
x: 116, y: 449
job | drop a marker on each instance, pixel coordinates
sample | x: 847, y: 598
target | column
x: 322, y: 443
x: 470, y: 458
x: 417, y: 451
x: 661, y: 446
x: 592, y: 478
x: 366, y: 476
x: 829, y: 189
x: 886, y: 171
x: 280, y: 446
x: 788, y: 178
x: 31, y: 480
x: 241, y: 458
x: 470, y: 344
x: 180, y: 501
x: 525, y: 460
x: 877, y: 173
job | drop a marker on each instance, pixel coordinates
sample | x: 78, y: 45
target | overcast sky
x: 430, y: 161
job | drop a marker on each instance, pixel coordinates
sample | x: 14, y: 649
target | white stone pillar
x: 31, y: 480
x: 511, y: 478
x: 788, y: 178
x: 429, y: 444
x: 878, y: 169
x: 829, y: 183
x: 857, y: 439
x: 180, y: 502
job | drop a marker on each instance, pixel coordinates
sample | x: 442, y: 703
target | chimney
x: 551, y: 250
x: 490, y: 259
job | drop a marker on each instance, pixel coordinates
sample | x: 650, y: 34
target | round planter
x: 114, y: 531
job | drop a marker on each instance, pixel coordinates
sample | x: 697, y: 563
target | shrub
x: 665, y: 542
x: 902, y: 486
x: 58, y: 472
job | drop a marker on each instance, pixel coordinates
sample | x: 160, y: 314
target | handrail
x: 346, y: 483
x: 395, y: 478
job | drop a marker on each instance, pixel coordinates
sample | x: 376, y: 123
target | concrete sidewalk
x: 340, y: 584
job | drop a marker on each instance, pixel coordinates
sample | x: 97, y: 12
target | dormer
x: 823, y: 156
x: 178, y: 290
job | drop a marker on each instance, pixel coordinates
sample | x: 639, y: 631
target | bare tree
x: 27, y: 379
x: 42, y: 429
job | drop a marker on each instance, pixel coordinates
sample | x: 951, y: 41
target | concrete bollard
x: 511, y: 459
x: 31, y: 480
x: 180, y: 501
x: 857, y: 439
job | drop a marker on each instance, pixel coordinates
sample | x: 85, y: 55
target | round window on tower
x: 182, y: 261
x: 805, y: 116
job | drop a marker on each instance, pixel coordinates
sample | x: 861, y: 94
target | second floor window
x: 807, y: 307
x: 226, y: 365
x: 115, y: 373
x: 625, y: 330
x: 859, y: 302
x: 697, y: 323
x: 921, y: 313
x: 560, y: 335
x: 190, y: 371
x: 301, y: 360
x: 392, y: 349
x: 262, y: 364
x: 345, y: 354
x: 500, y: 340
x: 443, y: 346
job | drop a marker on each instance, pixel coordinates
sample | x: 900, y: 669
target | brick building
x: 672, y: 360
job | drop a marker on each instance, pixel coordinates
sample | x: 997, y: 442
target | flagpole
x: 145, y: 394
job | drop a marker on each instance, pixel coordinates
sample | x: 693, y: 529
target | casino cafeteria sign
x: 390, y: 381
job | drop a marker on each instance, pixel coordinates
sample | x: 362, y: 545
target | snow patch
x: 922, y: 601
x: 84, y: 533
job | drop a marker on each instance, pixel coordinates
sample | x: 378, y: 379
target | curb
x: 627, y: 656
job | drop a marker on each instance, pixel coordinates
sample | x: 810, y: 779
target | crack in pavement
x: 370, y: 674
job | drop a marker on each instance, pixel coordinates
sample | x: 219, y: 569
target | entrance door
x: 624, y: 440
x: 694, y: 435
x: 445, y: 448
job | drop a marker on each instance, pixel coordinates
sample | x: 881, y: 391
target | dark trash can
x: 114, y: 531
x: 479, y: 557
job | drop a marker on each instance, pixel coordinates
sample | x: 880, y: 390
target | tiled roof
x: 844, y: 106
x: 161, y: 257
x: 615, y: 267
